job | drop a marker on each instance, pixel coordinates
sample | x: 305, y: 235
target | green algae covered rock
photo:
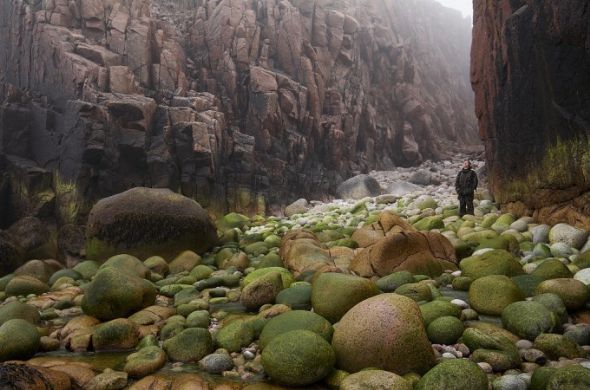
x: 430, y: 223
x: 87, y: 269
x: 185, y: 261
x: 571, y: 377
x: 144, y: 362
x: 146, y: 222
x: 419, y: 292
x: 190, y: 345
x: 394, y: 280
x: 333, y: 294
x: 286, y: 276
x: 235, y: 335
x: 573, y: 293
x: 527, y: 283
x: 19, y: 340
x: 457, y: 374
x: 114, y: 294
x: 494, y: 262
x: 528, y: 319
x: 19, y: 310
x: 541, y: 376
x: 555, y: 305
x: 552, y: 269
x: 298, y: 296
x: 129, y: 265
x: 556, y: 346
x: 438, y: 308
x: 375, y: 379
x: 25, y: 285
x: 295, y: 320
x: 491, y: 294
x: 262, y: 290
x: 385, y: 331
x: 298, y: 358
x: 495, y: 349
x: 115, y: 335
x: 445, y: 330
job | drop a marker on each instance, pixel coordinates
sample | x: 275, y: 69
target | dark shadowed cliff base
x: 531, y: 76
x: 241, y: 105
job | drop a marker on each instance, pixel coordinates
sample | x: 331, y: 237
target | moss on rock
x: 298, y: 358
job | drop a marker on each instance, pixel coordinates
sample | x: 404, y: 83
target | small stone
x: 524, y: 344
x: 449, y: 355
x: 249, y: 354
x: 486, y: 367
x: 461, y: 303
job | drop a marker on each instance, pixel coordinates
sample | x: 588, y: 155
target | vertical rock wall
x: 531, y: 76
x: 238, y: 104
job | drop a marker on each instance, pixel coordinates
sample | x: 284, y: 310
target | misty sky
x: 465, y: 6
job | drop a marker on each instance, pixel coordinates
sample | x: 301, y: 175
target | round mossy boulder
x: 394, y: 280
x: 385, y: 331
x: 286, y: 276
x: 235, y: 335
x: 295, y: 320
x: 128, y: 264
x: 115, y: 335
x: 552, y: 269
x: 146, y: 222
x: 19, y: 310
x: 459, y: 374
x: 374, y: 379
x: 333, y: 294
x: 25, y: 285
x: 571, y: 377
x: 298, y: 296
x: 528, y: 319
x: 572, y: 292
x: 114, y: 294
x: 445, y: 330
x: 190, y: 345
x: 298, y: 358
x: 495, y: 262
x: 146, y: 361
x: 491, y: 294
x: 438, y: 308
x: 19, y: 340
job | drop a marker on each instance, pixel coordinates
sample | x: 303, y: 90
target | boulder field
x: 351, y: 294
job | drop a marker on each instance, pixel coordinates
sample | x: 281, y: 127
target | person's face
x: 466, y: 164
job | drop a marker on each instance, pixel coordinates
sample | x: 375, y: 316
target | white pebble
x: 462, y: 304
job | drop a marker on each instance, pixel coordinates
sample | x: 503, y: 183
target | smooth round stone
x: 509, y: 382
x: 449, y: 355
x: 216, y: 363
x: 560, y: 249
x: 524, y: 344
x: 583, y: 276
x: 486, y: 367
x: 461, y: 303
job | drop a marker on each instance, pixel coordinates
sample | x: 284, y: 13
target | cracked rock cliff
x: 531, y: 76
x: 239, y: 104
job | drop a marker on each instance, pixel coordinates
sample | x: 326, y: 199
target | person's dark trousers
x: 465, y: 204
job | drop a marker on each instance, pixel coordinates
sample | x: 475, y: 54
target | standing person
x: 465, y: 186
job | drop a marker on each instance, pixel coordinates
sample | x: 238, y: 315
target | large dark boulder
x: 359, y: 187
x: 146, y: 222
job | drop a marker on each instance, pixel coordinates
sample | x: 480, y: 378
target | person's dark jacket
x: 466, y: 182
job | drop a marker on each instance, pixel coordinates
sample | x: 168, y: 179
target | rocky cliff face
x: 531, y: 76
x: 238, y: 104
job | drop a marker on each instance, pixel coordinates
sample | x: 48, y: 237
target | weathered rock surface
x: 238, y: 105
x: 531, y: 76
